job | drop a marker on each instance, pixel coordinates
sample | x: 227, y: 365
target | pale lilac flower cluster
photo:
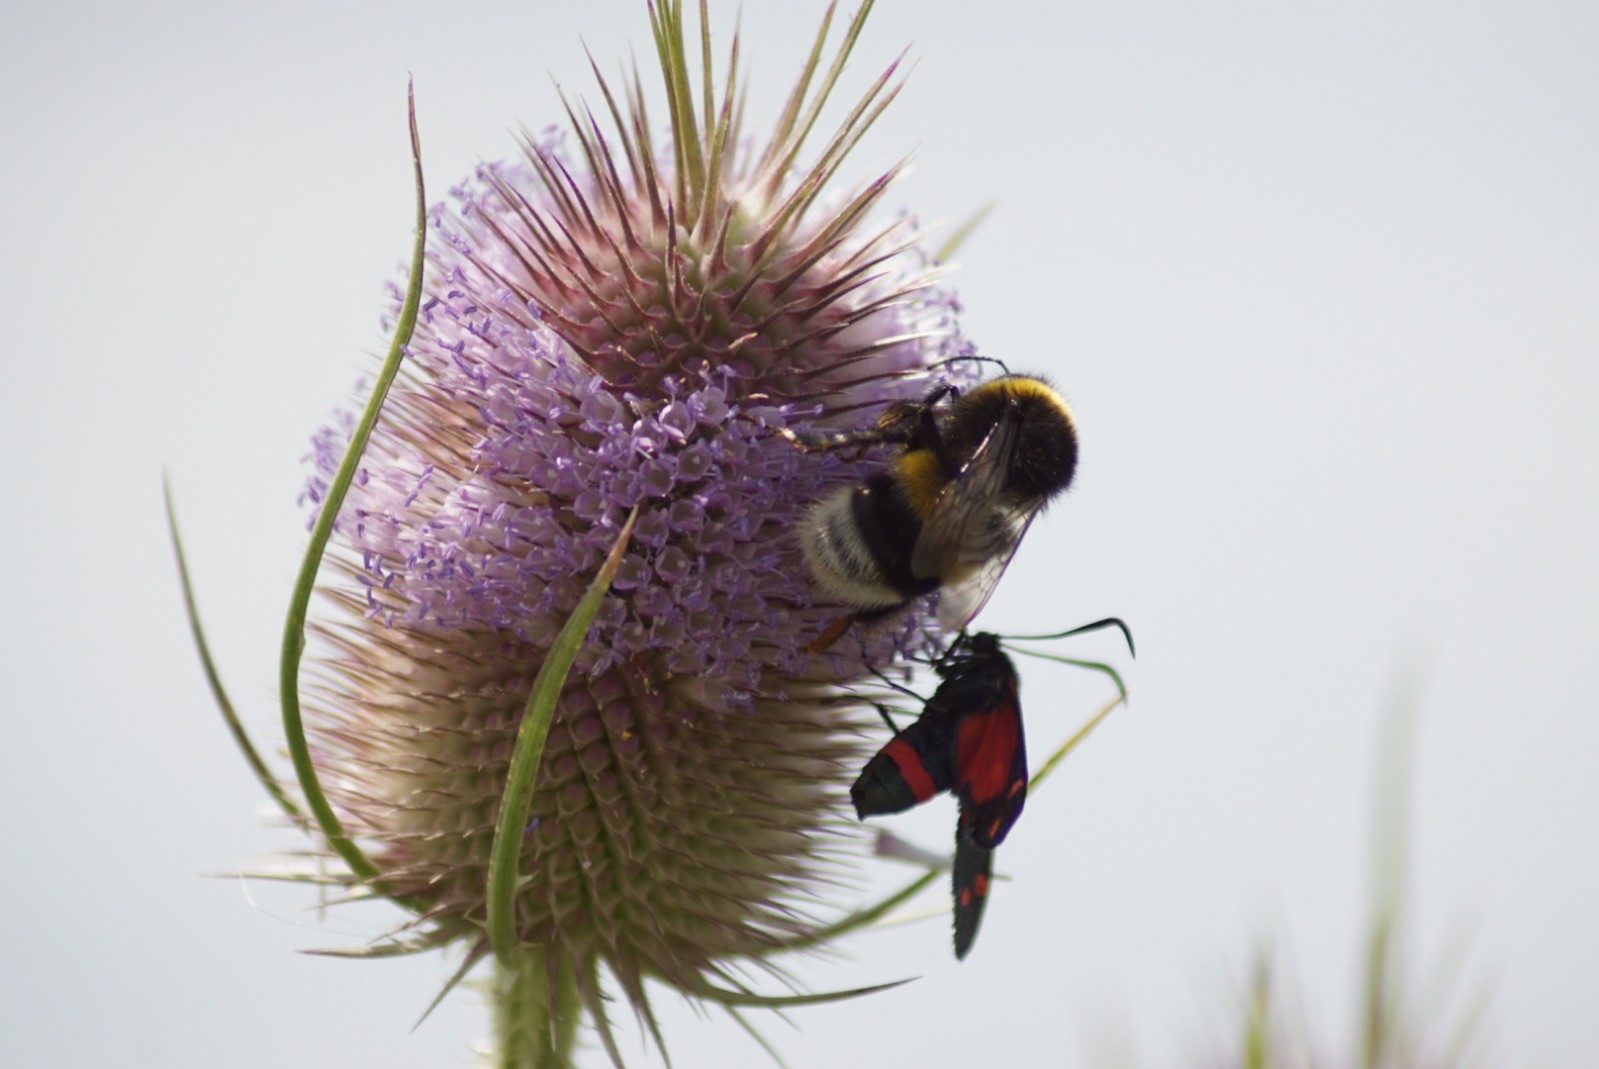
x: 493, y: 496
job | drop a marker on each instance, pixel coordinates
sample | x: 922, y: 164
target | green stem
x: 536, y: 1011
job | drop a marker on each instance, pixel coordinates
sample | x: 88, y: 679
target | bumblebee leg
x: 821, y: 441
x: 831, y: 635
x: 929, y: 437
x: 952, y: 651
x: 906, y: 423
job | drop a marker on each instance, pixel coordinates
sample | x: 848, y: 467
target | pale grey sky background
x: 1321, y: 281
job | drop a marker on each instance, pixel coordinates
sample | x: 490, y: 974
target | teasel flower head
x: 613, y: 329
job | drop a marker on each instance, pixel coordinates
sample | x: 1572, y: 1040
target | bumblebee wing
x: 974, y: 865
x: 991, y: 768
x: 961, y: 601
x: 910, y: 769
x: 965, y: 524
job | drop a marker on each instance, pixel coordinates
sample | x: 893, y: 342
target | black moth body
x: 968, y: 740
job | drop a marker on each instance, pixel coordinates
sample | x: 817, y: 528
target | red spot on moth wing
x: 911, y: 768
x: 970, y: 877
x: 974, y: 890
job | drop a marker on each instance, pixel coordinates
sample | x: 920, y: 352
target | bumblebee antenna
x: 974, y: 358
x: 1097, y: 625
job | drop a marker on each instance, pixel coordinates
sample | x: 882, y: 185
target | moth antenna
x: 1097, y: 625
x: 1092, y: 666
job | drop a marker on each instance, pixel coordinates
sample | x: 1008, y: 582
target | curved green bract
x: 214, y: 680
x: 518, y: 797
x: 860, y: 918
x: 390, y: 947
x: 722, y: 996
x: 294, y: 626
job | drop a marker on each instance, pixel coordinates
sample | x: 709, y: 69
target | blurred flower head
x: 616, y: 320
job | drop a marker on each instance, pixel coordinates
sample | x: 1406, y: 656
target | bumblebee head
x: 1045, y: 454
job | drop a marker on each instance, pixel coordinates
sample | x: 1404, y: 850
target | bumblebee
x: 948, y: 512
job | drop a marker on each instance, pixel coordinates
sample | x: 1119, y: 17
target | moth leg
x: 882, y: 711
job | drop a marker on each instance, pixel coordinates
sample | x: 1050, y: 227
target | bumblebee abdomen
x: 919, y: 477
x: 858, y: 545
x: 889, y: 526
